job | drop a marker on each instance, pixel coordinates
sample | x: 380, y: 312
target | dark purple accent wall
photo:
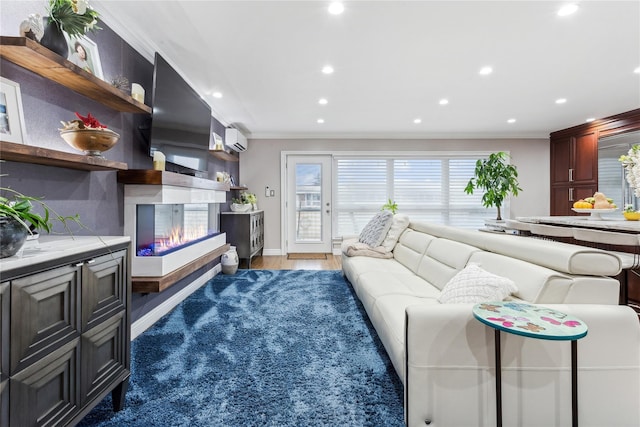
x: 96, y: 196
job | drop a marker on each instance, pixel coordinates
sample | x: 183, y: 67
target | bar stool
x: 524, y: 228
x: 612, y: 241
x: 552, y: 232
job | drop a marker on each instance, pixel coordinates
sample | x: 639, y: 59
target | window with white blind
x: 425, y: 188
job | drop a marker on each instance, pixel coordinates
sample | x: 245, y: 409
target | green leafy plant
x: 245, y: 199
x: 496, y: 178
x: 74, y: 17
x: 20, y: 207
x: 390, y: 206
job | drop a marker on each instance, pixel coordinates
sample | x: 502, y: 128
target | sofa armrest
x: 449, y: 358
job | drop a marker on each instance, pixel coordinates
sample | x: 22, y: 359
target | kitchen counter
x: 605, y: 223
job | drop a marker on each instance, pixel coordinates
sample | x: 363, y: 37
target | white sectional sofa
x: 445, y: 357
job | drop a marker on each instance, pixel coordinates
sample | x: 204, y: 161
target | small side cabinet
x: 245, y: 231
x: 64, y: 333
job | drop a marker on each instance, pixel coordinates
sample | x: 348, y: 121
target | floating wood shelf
x: 43, y: 156
x: 238, y: 187
x: 155, y: 177
x: 40, y: 60
x: 223, y: 155
x: 158, y: 284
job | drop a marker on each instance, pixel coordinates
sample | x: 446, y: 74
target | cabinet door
x: 104, y: 288
x: 4, y: 330
x: 105, y: 357
x: 47, y: 392
x: 563, y: 197
x: 44, y: 314
x: 4, y: 403
x: 561, y: 159
x: 585, y: 164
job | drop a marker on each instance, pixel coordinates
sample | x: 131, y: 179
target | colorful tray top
x: 530, y: 320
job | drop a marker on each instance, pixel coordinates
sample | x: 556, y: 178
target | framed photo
x: 83, y: 52
x: 12, y: 127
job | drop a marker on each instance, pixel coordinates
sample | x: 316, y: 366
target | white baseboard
x: 146, y: 321
x: 272, y: 252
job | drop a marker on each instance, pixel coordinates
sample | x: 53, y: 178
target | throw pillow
x: 398, y: 225
x: 375, y: 231
x: 473, y: 285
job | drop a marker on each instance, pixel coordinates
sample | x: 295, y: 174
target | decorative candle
x: 158, y: 161
x: 137, y: 92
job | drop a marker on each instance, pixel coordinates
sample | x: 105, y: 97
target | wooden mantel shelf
x: 40, y: 60
x: 158, y: 284
x: 155, y: 177
x: 43, y: 156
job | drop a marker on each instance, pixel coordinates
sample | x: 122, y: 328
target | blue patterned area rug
x: 261, y: 348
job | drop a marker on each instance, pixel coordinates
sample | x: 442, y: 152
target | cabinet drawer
x: 47, y: 392
x: 105, y: 356
x: 44, y: 314
x: 104, y: 288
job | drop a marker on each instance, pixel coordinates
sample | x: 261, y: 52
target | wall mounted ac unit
x: 235, y: 140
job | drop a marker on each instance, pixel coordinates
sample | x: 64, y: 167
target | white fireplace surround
x: 154, y: 266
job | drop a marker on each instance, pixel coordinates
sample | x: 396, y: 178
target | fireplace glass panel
x: 165, y: 228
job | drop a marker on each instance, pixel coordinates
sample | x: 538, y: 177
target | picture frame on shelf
x: 12, y: 127
x: 83, y: 52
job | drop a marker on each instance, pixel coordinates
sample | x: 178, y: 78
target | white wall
x: 260, y: 167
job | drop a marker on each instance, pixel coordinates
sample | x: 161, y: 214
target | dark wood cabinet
x: 574, y: 170
x: 65, y: 334
x: 245, y: 231
x: 574, y: 158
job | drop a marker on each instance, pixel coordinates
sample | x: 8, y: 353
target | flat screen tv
x: 180, y: 122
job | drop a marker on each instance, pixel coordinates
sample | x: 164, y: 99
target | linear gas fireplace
x: 163, y: 229
x: 172, y: 220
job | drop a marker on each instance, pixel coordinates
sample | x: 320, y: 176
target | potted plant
x: 18, y: 220
x: 74, y: 17
x: 497, y: 178
x: 390, y: 206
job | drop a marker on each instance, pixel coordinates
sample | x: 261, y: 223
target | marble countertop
x: 49, y: 248
x: 585, y: 221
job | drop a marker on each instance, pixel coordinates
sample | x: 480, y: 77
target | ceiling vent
x: 235, y: 140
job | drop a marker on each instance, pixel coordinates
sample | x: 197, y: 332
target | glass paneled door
x: 308, y: 204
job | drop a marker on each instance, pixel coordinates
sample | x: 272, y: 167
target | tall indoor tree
x: 497, y: 178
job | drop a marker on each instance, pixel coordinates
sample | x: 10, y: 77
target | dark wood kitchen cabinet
x: 65, y: 330
x: 574, y: 170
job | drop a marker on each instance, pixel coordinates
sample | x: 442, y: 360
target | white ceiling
x: 394, y: 61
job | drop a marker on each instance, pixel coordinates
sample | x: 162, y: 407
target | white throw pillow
x: 399, y: 224
x: 375, y: 231
x: 473, y: 285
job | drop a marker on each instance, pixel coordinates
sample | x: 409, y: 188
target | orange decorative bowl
x: 631, y: 216
x: 92, y: 141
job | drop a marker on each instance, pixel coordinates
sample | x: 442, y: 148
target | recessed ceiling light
x: 444, y: 101
x: 568, y: 9
x: 511, y: 121
x: 637, y: 70
x: 590, y: 119
x: 217, y: 95
x: 323, y: 101
x: 327, y: 69
x: 485, y: 71
x: 417, y: 121
x: 336, y: 8
x: 321, y: 121
x: 561, y: 101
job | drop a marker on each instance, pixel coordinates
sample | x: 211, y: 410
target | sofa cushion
x: 376, y: 229
x: 444, y: 259
x: 398, y: 225
x: 411, y: 247
x: 473, y: 285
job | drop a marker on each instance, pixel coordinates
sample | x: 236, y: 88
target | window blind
x: 425, y: 188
